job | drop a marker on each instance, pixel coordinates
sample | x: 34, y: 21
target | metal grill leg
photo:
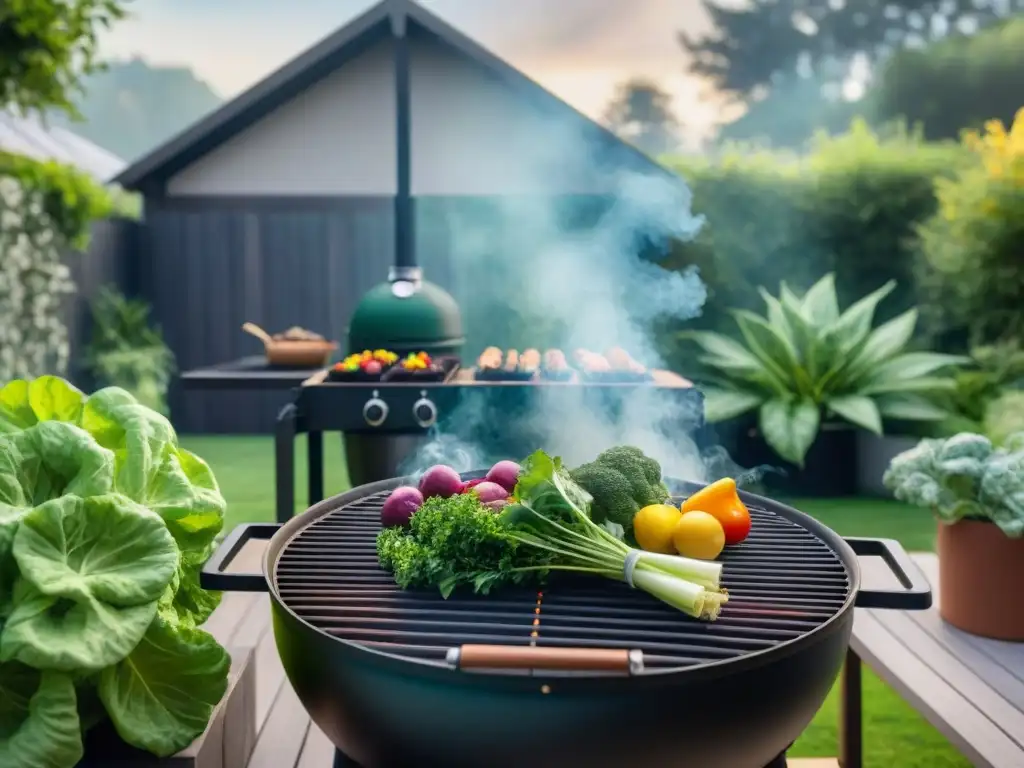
x: 284, y: 451
x: 851, y: 727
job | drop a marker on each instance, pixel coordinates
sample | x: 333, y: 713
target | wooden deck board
x: 317, y: 751
x: 966, y: 687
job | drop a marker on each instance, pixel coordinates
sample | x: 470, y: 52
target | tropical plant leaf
x: 923, y: 385
x: 882, y: 344
x: 859, y: 410
x: 853, y: 326
x: 909, y: 407
x: 777, y: 318
x: 911, y: 365
x: 772, y: 349
x: 790, y: 427
x: 725, y: 404
x: 731, y: 355
x: 820, y: 303
x: 791, y: 301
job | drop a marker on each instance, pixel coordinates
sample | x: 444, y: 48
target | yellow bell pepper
x: 715, y: 499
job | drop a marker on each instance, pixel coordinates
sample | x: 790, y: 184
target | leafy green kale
x: 962, y: 477
x: 621, y: 481
x: 456, y: 541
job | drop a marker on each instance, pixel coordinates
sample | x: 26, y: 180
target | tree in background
x: 757, y: 44
x: 45, y: 48
x: 956, y: 84
x: 132, y: 106
x: 641, y: 113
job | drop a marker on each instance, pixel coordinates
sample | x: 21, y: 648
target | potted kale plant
x: 977, y: 492
x: 811, y: 374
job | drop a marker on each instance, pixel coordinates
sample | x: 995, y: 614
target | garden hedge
x: 852, y: 206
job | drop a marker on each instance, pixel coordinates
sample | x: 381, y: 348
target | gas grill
x: 583, y: 671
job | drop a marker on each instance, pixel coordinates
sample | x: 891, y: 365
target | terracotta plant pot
x: 981, y: 571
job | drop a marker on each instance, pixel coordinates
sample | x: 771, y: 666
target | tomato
x: 699, y: 535
x: 735, y: 521
x: 653, y: 526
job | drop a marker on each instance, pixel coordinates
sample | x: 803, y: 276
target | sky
x: 578, y: 49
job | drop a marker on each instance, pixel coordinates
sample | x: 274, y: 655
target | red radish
x: 469, y: 485
x: 400, y: 506
x: 440, y: 480
x: 488, y: 492
x: 505, y: 474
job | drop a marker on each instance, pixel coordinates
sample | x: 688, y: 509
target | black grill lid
x: 783, y: 582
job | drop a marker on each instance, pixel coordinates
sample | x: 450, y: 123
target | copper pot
x: 981, y: 571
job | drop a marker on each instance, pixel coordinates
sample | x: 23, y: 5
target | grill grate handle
x: 496, y: 657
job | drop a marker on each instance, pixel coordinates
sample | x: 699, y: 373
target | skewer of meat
x: 554, y: 361
x: 529, y: 361
x: 512, y: 360
x: 490, y: 359
x: 592, y: 362
x: 621, y: 360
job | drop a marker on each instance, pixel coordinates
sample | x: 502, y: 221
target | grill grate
x: 783, y: 582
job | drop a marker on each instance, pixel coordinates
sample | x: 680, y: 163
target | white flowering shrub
x: 45, y: 211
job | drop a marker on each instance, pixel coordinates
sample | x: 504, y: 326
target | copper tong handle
x: 552, y: 659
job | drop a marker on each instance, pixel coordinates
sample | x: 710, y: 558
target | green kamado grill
x: 404, y: 314
x: 407, y: 314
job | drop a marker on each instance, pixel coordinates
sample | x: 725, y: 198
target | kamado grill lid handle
x: 916, y: 594
x: 498, y: 657
x: 213, y: 575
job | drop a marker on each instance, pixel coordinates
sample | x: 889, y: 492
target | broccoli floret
x: 613, y: 495
x: 621, y: 480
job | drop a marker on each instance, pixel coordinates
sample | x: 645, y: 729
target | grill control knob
x: 375, y: 411
x: 424, y: 411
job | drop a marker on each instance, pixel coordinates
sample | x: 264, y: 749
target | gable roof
x: 388, y: 18
x: 32, y: 137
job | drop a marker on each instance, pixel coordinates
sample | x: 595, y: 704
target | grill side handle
x: 507, y: 657
x: 916, y: 594
x: 214, y: 577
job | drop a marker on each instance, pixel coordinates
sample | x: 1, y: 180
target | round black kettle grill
x: 584, y: 671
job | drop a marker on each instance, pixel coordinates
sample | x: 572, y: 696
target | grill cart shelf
x: 394, y: 409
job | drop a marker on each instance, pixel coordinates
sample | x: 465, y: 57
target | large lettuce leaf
x: 92, y: 571
x: 42, y: 462
x: 152, y: 469
x: 163, y: 694
x: 106, y: 548
x: 48, y: 398
x: 39, y: 724
x: 56, y: 633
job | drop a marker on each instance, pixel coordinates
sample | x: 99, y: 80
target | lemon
x: 653, y: 526
x: 698, y: 535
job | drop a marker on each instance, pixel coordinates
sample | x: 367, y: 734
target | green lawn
x: 894, y: 734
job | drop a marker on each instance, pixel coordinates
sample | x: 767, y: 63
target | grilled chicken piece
x: 620, y: 360
x: 554, y: 360
x: 529, y: 361
x: 511, y: 360
x: 592, y: 362
x: 490, y: 359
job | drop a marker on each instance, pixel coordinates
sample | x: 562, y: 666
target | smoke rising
x: 557, y: 269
